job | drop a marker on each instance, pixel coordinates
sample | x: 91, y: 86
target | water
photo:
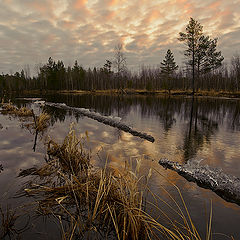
x: 203, y: 131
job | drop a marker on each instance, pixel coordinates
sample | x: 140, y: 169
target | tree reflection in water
x: 200, y: 130
x: 202, y: 115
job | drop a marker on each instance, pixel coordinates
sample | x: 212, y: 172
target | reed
x: 104, y: 203
x: 41, y: 122
x: 8, y: 219
x: 9, y: 108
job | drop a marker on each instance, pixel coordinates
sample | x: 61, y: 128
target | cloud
x: 88, y: 30
x: 78, y: 4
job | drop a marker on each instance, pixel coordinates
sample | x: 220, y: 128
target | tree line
x: 203, y: 70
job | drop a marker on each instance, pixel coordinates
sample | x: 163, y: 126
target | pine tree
x: 168, y: 67
x: 194, y: 31
x: 107, y: 67
x: 201, y: 50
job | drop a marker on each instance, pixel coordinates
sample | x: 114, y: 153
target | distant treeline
x: 54, y: 75
x: 203, y: 71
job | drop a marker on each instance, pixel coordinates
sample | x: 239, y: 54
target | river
x: 204, y: 131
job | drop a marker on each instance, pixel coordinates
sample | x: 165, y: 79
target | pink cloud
x: 215, y: 5
x: 78, y: 4
x: 40, y: 7
x: 49, y: 39
x: 143, y: 26
x: 70, y: 25
x: 113, y: 2
x: 152, y: 16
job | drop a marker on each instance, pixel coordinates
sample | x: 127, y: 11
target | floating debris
x: 41, y: 103
x: 108, y: 120
x: 226, y: 186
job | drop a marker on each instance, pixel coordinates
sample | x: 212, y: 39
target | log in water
x: 108, y: 120
x: 226, y: 186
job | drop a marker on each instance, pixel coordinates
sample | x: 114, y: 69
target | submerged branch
x: 226, y: 186
x: 104, y: 119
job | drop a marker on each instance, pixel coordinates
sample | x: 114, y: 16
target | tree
x: 201, y: 50
x: 207, y: 57
x: 107, y: 67
x: 119, y: 61
x: 235, y: 61
x: 60, y: 75
x: 194, y: 31
x: 168, y: 67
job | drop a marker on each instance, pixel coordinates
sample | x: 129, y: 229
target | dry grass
x: 41, y: 122
x: 9, y: 108
x: 8, y: 219
x: 70, y: 154
x: 8, y: 229
x: 103, y: 203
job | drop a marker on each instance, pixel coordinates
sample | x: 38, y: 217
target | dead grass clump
x: 8, y: 219
x: 102, y: 203
x: 41, y: 122
x: 70, y: 154
x: 8, y: 227
x: 9, y: 108
x: 24, y: 112
x: 97, y: 202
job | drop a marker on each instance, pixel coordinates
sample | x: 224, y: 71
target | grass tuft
x: 9, y: 108
x: 70, y: 154
x: 103, y: 203
x: 8, y: 229
x: 41, y: 122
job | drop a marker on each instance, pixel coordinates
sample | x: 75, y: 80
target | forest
x: 202, y: 70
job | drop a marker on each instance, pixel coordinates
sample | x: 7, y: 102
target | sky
x: 88, y: 30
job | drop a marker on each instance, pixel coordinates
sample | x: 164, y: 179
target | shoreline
x: 123, y: 92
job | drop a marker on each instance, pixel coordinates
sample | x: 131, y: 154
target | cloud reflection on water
x: 217, y: 148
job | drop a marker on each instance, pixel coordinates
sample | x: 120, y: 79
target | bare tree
x: 119, y: 61
x: 27, y: 71
x: 235, y: 61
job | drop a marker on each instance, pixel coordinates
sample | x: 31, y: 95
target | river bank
x: 200, y: 93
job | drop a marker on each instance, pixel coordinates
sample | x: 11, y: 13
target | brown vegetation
x: 40, y: 122
x: 102, y: 202
x: 9, y: 108
x: 8, y: 218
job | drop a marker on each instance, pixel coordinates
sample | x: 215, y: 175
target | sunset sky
x: 87, y: 30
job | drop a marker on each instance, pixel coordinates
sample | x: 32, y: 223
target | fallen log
x: 224, y: 185
x: 108, y: 120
